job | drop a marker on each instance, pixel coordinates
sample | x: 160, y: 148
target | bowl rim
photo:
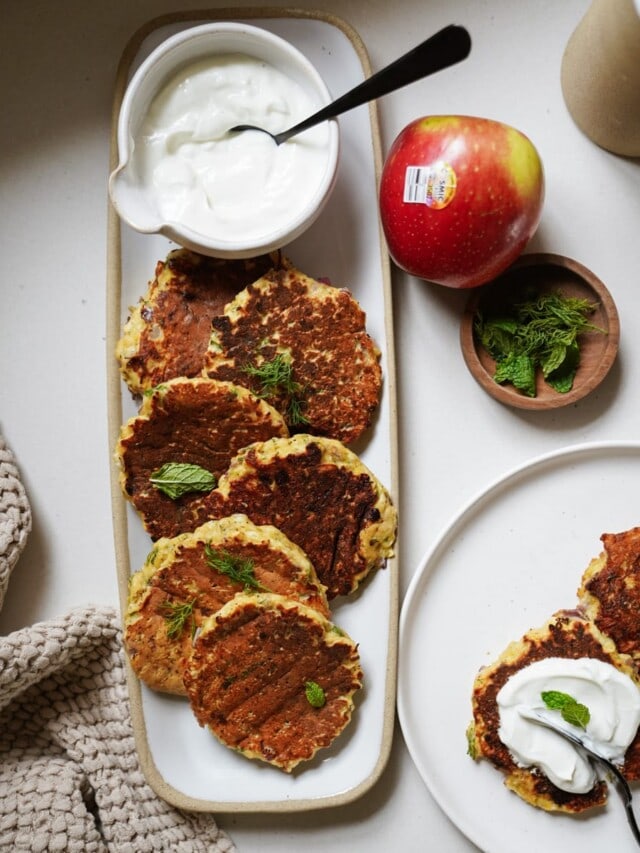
x: 506, y: 393
x: 177, y: 47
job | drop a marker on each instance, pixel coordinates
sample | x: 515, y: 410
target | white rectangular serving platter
x: 182, y: 762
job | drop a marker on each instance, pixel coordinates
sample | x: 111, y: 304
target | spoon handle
x: 623, y: 786
x: 625, y: 794
x: 448, y: 46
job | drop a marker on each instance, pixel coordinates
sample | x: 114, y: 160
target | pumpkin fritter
x: 321, y: 496
x: 610, y: 590
x: 196, y: 421
x: 568, y: 634
x: 167, y: 332
x: 303, y: 345
x: 191, y: 576
x: 272, y: 679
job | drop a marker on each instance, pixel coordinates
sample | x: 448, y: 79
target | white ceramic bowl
x: 131, y: 189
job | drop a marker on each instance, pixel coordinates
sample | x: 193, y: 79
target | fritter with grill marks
x: 272, y: 679
x: 303, y: 345
x: 189, y: 577
x: 320, y: 494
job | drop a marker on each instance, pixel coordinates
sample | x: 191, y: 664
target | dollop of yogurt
x: 613, y: 700
x: 237, y: 186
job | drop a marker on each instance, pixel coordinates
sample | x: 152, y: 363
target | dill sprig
x: 176, y: 615
x: 236, y: 568
x: 275, y: 376
x: 295, y: 415
x: 276, y: 379
x: 538, y: 333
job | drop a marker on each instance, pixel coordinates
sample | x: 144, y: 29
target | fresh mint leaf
x: 539, y: 332
x: 562, y: 384
x: 576, y: 714
x: 562, y: 378
x: 315, y: 694
x: 496, y: 335
x: 553, y: 359
x: 555, y: 699
x: 519, y: 370
x: 175, y: 479
x: 571, y: 710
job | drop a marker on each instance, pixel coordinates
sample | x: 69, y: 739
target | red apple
x: 459, y: 198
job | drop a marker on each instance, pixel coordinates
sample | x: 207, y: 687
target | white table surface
x: 57, y: 66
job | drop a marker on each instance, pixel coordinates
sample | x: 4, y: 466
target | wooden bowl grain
x: 546, y: 272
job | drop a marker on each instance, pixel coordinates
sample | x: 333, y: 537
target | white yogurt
x: 232, y: 186
x: 612, y: 698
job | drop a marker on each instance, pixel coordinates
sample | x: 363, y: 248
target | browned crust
x: 322, y: 329
x: 247, y: 674
x: 610, y: 594
x: 167, y: 334
x: 178, y: 572
x: 197, y: 421
x: 610, y: 590
x: 321, y: 496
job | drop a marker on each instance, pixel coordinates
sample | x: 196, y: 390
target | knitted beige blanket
x: 69, y: 773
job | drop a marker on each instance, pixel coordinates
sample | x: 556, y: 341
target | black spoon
x: 622, y: 784
x: 448, y: 46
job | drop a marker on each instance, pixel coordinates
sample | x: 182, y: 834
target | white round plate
x: 511, y: 558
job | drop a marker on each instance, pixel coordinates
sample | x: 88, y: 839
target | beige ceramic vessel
x: 600, y: 75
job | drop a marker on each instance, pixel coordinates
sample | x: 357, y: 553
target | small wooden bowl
x: 546, y: 272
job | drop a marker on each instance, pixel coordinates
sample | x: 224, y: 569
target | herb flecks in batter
x: 472, y: 749
x: 540, y: 333
x: 236, y: 568
x: 177, y: 615
x: 571, y: 710
x: 175, y: 479
x: 157, y: 389
x: 315, y: 694
x: 276, y: 378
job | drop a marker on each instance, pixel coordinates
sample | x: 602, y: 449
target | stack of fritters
x: 167, y: 333
x: 190, y: 577
x: 231, y: 605
x: 321, y: 496
x: 190, y: 421
x: 305, y: 490
x: 299, y: 343
x: 234, y: 616
x: 604, y: 626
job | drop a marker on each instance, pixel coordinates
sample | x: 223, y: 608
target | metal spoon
x: 448, y: 46
x: 623, y: 786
